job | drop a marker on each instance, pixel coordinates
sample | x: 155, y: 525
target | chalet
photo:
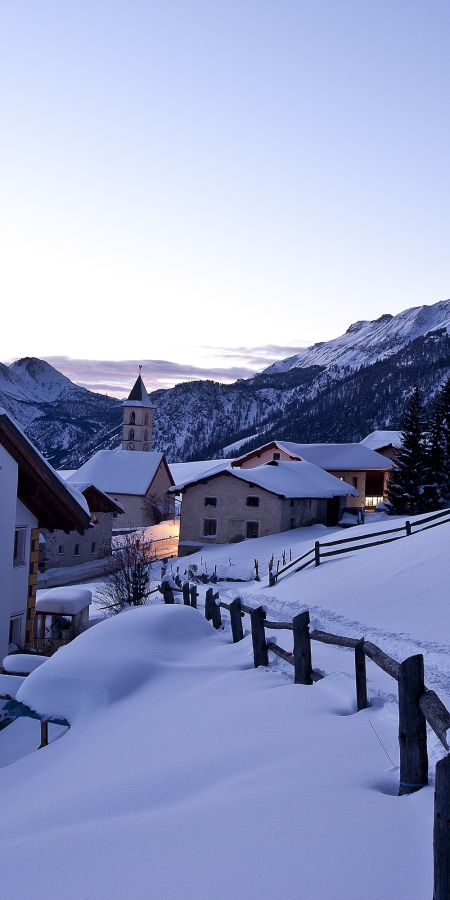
x: 235, y: 503
x: 387, y: 443
x: 32, y: 496
x: 58, y: 549
x: 353, y: 464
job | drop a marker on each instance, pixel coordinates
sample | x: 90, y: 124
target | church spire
x: 137, y: 418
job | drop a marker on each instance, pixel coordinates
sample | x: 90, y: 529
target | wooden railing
x: 417, y: 705
x: 359, y: 542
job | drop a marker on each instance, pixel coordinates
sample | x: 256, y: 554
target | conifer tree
x: 443, y: 408
x: 406, y: 482
x: 435, y: 464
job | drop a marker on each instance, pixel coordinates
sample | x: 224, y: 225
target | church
x: 135, y: 476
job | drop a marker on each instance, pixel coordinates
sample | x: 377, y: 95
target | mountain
x: 66, y: 422
x: 340, y: 390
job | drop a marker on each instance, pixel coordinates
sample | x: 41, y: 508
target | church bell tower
x: 137, y: 418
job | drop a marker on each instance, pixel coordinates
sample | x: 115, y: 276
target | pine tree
x: 443, y: 408
x: 406, y: 482
x: 435, y: 464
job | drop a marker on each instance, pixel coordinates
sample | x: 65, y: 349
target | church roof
x: 138, y: 395
x: 121, y: 471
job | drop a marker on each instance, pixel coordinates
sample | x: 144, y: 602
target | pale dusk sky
x: 203, y: 187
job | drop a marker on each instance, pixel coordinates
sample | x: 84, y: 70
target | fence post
x: 208, y: 604
x: 215, y: 611
x: 44, y: 735
x: 412, y: 735
x: 260, y: 654
x: 317, y: 553
x: 186, y: 599
x: 302, y: 649
x: 194, y: 594
x: 408, y: 528
x: 360, y: 674
x: 167, y: 592
x: 441, y: 832
x: 236, y: 620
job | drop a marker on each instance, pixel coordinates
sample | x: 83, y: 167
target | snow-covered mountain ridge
x: 336, y: 391
x: 365, y: 342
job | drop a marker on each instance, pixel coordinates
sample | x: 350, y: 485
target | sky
x: 204, y: 186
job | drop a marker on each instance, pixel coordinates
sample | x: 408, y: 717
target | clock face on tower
x: 131, y: 446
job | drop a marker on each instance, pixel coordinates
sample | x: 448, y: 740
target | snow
x: 336, y: 456
x: 295, y: 479
x: 365, y: 342
x: 66, y: 601
x: 122, y: 472
x: 378, y: 439
x: 184, y: 473
x: 186, y: 773
x: 22, y: 663
x: 10, y: 684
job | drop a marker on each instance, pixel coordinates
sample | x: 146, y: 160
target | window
x: 145, y: 435
x: 61, y: 549
x: 276, y: 456
x: 292, y: 502
x: 20, y: 535
x: 354, y: 481
x: 293, y: 523
x: 210, y: 501
x: 131, y: 435
x: 95, y: 519
x: 132, y: 418
x: 76, y: 550
x: 341, y: 478
x: 209, y: 527
x: 252, y: 529
x: 146, y: 419
x: 93, y: 547
x: 115, y: 515
x: 252, y: 501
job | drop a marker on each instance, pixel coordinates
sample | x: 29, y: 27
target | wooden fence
x: 345, y: 545
x: 417, y: 704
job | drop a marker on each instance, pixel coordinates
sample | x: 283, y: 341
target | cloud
x: 116, y: 377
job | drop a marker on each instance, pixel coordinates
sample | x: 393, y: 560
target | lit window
x: 210, y: 501
x: 209, y: 527
x: 252, y: 529
x: 19, y: 546
x: 94, y: 519
x: 252, y: 501
x: 341, y: 478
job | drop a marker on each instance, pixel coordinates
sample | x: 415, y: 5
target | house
x: 58, y: 549
x: 32, y: 496
x: 353, y: 464
x: 234, y: 503
x: 137, y: 481
x: 387, y: 443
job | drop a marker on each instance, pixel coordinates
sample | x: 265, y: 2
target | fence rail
x: 359, y: 542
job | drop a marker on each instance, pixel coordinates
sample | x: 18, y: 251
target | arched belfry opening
x: 138, y: 413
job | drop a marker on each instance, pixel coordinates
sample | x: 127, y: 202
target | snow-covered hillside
x: 365, y: 342
x: 186, y: 773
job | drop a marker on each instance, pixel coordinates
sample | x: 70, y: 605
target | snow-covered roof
x: 334, y: 457
x: 122, y: 472
x: 378, y: 439
x: 183, y: 473
x: 103, y: 500
x: 64, y: 600
x: 288, y: 479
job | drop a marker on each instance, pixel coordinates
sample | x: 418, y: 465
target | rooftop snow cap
x: 138, y: 395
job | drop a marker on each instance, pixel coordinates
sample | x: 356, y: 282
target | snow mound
x: 114, y: 659
x: 64, y: 600
x: 22, y: 663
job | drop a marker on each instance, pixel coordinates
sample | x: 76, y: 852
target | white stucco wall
x: 20, y: 573
x: 8, y: 500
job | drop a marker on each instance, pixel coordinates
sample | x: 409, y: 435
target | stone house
x: 60, y: 549
x: 137, y: 481
x: 354, y: 464
x: 32, y: 496
x: 274, y: 497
